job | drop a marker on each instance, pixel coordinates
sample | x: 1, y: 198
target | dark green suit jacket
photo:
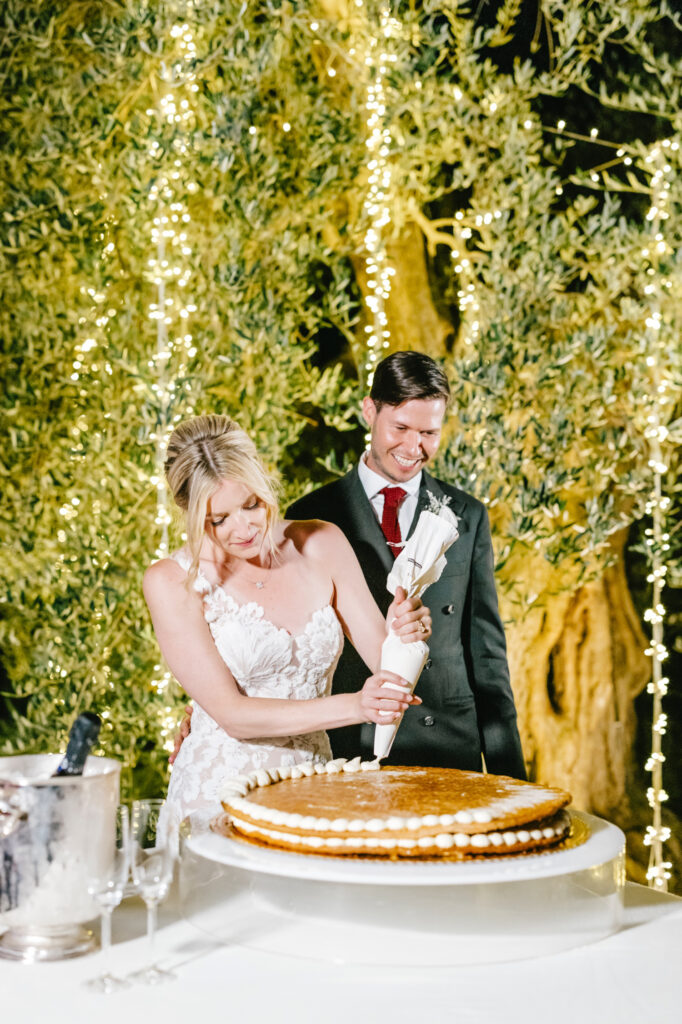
x: 468, y: 707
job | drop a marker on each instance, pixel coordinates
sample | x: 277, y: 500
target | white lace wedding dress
x: 266, y: 661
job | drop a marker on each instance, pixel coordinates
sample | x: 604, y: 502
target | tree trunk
x: 413, y: 320
x: 577, y: 665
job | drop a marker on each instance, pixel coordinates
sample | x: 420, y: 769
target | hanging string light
x: 168, y: 271
x: 169, y: 268
x: 658, y: 505
x: 657, y: 539
x: 656, y: 536
x: 376, y: 51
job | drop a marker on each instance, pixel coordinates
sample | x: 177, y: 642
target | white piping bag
x: 419, y: 564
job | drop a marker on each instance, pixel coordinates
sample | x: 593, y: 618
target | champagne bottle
x: 82, y: 738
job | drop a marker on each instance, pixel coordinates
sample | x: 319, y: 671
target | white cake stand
x: 402, y: 912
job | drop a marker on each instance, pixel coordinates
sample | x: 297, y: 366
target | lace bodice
x: 266, y: 661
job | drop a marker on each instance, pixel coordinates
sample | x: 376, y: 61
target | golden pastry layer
x: 357, y: 808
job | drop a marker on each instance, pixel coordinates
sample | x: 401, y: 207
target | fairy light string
x: 657, y: 165
x: 659, y: 171
x: 169, y: 268
x: 169, y: 274
x: 376, y: 52
x: 657, y: 539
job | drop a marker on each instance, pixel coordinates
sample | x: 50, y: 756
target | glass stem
x: 105, y: 937
x: 151, y: 927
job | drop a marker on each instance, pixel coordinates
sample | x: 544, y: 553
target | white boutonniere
x: 441, y: 507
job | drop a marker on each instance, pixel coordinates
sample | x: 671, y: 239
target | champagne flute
x: 106, y: 884
x: 152, y: 855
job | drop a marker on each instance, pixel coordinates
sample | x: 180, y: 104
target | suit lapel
x: 362, y: 521
x: 422, y: 506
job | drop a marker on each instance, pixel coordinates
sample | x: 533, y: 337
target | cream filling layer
x: 443, y: 841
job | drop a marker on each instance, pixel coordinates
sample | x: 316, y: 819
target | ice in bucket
x: 419, y: 564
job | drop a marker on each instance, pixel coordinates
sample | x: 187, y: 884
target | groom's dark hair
x: 405, y: 375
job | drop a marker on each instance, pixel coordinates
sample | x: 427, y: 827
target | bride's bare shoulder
x: 166, y: 572
x: 315, y: 537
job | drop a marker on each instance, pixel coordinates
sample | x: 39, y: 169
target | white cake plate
x: 390, y: 912
x: 605, y: 841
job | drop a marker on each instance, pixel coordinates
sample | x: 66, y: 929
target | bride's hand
x: 408, y: 618
x: 384, y: 704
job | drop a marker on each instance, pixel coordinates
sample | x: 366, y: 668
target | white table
x: 631, y: 977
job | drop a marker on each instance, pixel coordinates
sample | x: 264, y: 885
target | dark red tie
x: 389, y: 517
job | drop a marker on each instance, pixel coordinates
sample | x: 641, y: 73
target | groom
x: 468, y: 707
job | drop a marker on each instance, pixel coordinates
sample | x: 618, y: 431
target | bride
x: 250, y: 616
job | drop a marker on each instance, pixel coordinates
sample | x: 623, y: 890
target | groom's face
x: 404, y: 437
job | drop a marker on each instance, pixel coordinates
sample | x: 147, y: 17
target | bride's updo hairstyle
x: 202, y: 453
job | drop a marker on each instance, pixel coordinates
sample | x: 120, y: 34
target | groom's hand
x: 182, y: 733
x: 408, y: 618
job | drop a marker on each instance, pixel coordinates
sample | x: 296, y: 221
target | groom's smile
x: 403, y: 437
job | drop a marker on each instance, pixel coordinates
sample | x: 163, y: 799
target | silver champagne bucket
x: 56, y: 834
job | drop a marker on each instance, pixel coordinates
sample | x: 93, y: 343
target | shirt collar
x: 373, y: 482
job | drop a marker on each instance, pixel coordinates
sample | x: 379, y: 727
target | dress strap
x: 201, y: 584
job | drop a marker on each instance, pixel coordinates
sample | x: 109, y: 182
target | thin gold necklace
x: 259, y: 584
x: 220, y: 568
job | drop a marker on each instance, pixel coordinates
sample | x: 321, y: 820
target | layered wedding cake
x: 362, y: 809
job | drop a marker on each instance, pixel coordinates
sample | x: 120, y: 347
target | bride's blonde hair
x: 203, y: 452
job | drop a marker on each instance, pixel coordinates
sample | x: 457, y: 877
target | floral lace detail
x: 266, y: 661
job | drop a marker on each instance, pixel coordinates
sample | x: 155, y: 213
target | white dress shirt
x: 373, y: 484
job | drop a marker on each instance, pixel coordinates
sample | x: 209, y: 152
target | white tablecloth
x: 631, y: 977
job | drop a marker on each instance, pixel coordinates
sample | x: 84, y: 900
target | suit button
x: 449, y: 609
x: 429, y: 663
x: 428, y: 720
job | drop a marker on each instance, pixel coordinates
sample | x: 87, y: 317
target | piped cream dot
x: 444, y: 841
x: 480, y: 841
